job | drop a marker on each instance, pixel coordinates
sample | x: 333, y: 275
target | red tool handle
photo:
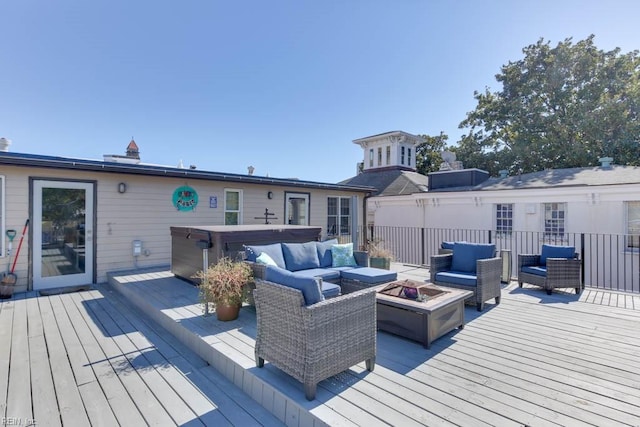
x: 24, y: 231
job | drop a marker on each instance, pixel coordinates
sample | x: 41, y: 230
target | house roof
x: 572, y: 177
x: 390, y: 181
x: 393, y: 132
x: 34, y: 160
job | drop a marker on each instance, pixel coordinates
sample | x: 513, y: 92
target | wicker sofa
x: 317, y: 259
x: 555, y: 267
x: 313, y: 342
x: 472, y: 267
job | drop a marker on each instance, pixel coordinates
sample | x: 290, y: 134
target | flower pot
x: 6, y: 291
x: 377, y: 262
x: 227, y: 312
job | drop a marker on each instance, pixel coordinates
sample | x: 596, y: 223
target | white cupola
x: 395, y: 150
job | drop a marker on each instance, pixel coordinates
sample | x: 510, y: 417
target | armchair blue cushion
x: 447, y: 245
x: 309, y: 286
x: 465, y: 255
x: 555, y: 251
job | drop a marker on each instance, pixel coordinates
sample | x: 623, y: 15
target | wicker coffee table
x: 422, y: 321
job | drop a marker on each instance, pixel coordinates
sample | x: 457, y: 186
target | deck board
x: 135, y: 357
x: 563, y: 359
x: 88, y: 358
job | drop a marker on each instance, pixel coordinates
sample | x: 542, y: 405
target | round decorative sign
x: 185, y: 198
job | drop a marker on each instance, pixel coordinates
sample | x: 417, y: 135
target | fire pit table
x: 419, y: 311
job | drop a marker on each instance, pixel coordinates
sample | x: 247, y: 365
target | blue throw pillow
x: 324, y: 252
x: 309, y: 286
x: 342, y: 255
x: 556, y: 251
x: 274, y: 251
x: 300, y: 256
x: 264, y: 258
x: 465, y: 255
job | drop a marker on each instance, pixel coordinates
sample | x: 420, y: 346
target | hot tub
x: 187, y: 242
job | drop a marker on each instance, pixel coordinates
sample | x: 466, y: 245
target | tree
x: 428, y: 158
x: 559, y: 107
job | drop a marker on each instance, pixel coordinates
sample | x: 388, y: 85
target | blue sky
x: 284, y: 86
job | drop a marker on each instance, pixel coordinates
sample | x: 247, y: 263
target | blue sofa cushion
x: 457, y: 277
x: 465, y: 255
x: 324, y: 273
x: 342, y: 255
x: 309, y: 286
x: 555, y: 251
x: 324, y: 252
x: 300, y: 256
x: 370, y: 275
x: 535, y: 269
x: 330, y: 290
x: 274, y: 251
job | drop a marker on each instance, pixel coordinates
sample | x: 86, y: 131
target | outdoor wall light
x: 270, y: 195
x: 122, y: 188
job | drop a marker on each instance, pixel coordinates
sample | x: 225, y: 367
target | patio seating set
x: 318, y: 304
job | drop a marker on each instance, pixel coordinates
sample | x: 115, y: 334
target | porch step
x: 227, y: 346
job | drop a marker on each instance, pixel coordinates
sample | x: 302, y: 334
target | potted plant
x: 223, y: 286
x: 379, y: 255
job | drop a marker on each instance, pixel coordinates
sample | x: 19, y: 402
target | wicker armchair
x: 488, y: 272
x: 560, y: 272
x: 314, y: 342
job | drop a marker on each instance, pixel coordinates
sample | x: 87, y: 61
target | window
x: 338, y: 216
x: 633, y: 225
x: 408, y: 156
x: 371, y: 157
x: 379, y: 156
x: 232, y: 207
x: 504, y: 218
x: 554, y: 220
x: 402, y: 155
x: 388, y: 155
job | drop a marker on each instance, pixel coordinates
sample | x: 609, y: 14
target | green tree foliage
x: 560, y: 107
x: 428, y: 158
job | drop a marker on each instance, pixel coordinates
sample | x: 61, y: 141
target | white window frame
x: 371, y: 157
x: 552, y: 231
x: 379, y: 156
x: 341, y: 228
x: 500, y: 218
x: 388, y: 155
x: 632, y: 240
x: 408, y: 156
x: 240, y: 204
x: 402, y: 149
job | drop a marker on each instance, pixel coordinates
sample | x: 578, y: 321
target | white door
x: 297, y: 208
x: 62, y: 233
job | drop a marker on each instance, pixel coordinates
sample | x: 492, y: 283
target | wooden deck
x: 534, y: 360
x: 90, y: 358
